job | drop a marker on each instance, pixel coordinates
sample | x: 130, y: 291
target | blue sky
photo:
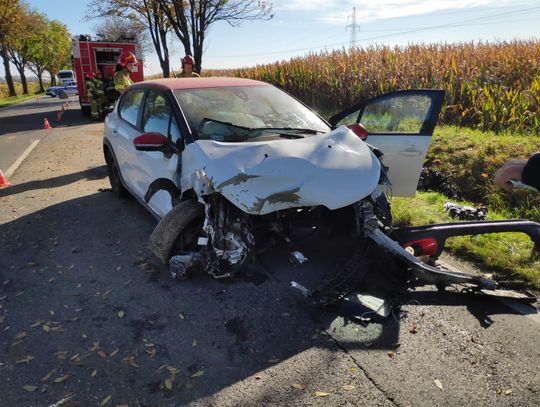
x: 300, y: 27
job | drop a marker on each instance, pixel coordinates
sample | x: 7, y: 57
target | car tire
x: 115, y: 178
x: 182, y: 222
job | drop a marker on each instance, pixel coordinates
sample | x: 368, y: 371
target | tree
x: 121, y: 29
x: 10, y: 13
x: 18, y: 45
x: 49, y: 48
x: 149, y: 13
x: 191, y: 19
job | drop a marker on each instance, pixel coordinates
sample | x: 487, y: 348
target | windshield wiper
x: 293, y: 129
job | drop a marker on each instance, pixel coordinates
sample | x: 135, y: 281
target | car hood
x: 334, y: 169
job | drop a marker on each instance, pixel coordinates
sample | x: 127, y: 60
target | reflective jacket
x: 122, y: 80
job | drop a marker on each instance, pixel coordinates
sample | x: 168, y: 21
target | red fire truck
x: 92, y: 56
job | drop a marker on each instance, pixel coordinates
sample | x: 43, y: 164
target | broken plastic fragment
x: 297, y: 258
x: 300, y: 287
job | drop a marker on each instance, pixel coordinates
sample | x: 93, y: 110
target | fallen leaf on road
x: 198, y: 374
x: 21, y: 335
x: 391, y: 354
x: 508, y: 392
x: 352, y: 370
x: 173, y: 370
x: 298, y: 386
x: 102, y: 354
x: 61, y: 379
x: 126, y: 283
x: 121, y: 314
x: 48, y: 375
x: 62, y: 355
x: 105, y: 400
x: 75, y: 356
x: 26, y: 360
x: 37, y: 323
x: 95, y: 346
x: 181, y: 316
x: 29, y: 388
x: 438, y: 383
x: 413, y: 329
x: 46, y: 328
x: 194, y: 343
x: 258, y: 377
x: 114, y: 352
x: 130, y: 360
x: 94, y: 373
x: 321, y: 394
x: 168, y: 384
x: 348, y: 387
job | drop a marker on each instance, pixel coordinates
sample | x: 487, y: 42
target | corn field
x: 4, y: 91
x: 489, y: 86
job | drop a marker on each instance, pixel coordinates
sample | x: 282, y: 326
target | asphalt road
x: 89, y: 317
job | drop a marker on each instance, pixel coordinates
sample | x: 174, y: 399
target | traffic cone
x: 46, y: 124
x: 3, y: 181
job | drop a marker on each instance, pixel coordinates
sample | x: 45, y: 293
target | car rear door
x: 401, y: 125
x: 124, y: 130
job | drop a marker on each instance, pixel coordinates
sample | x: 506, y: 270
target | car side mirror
x: 154, y: 142
x: 359, y: 130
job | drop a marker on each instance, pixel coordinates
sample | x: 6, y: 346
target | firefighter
x: 99, y: 100
x: 89, y: 83
x: 125, y: 65
x: 187, y: 68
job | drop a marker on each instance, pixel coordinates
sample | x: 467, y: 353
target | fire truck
x: 90, y: 55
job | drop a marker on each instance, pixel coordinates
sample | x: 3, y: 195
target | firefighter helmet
x: 188, y: 59
x: 125, y: 58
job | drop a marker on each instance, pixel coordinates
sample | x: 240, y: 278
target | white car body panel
x: 140, y: 168
x: 334, y: 169
x: 404, y: 155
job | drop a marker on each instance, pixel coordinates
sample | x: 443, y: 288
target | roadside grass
x: 5, y: 102
x: 470, y: 159
x: 510, y: 255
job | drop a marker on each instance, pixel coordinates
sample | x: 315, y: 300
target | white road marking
x: 19, y: 160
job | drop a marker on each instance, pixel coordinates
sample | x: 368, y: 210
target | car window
x: 397, y: 114
x: 175, y: 131
x: 157, y: 114
x: 131, y: 103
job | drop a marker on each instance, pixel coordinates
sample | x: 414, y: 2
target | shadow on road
x: 90, y: 174
x: 25, y: 117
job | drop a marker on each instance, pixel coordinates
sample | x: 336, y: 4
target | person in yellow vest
x: 125, y: 65
x: 187, y: 68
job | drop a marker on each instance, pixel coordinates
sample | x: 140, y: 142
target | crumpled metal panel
x: 334, y: 169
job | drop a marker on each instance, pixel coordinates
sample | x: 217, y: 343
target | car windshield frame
x: 247, y: 113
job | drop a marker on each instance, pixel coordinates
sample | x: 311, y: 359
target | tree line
x: 29, y: 40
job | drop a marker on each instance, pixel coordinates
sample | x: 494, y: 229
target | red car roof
x: 196, y: 83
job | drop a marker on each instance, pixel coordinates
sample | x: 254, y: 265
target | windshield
x: 64, y: 75
x: 247, y: 112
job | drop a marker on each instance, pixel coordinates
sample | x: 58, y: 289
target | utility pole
x: 354, y: 27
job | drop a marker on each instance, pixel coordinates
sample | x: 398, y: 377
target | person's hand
x: 510, y: 171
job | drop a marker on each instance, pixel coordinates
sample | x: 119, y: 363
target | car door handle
x: 410, y: 152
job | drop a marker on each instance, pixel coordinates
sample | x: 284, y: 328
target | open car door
x: 400, y: 124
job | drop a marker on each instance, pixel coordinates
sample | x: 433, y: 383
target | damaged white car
x: 231, y: 167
